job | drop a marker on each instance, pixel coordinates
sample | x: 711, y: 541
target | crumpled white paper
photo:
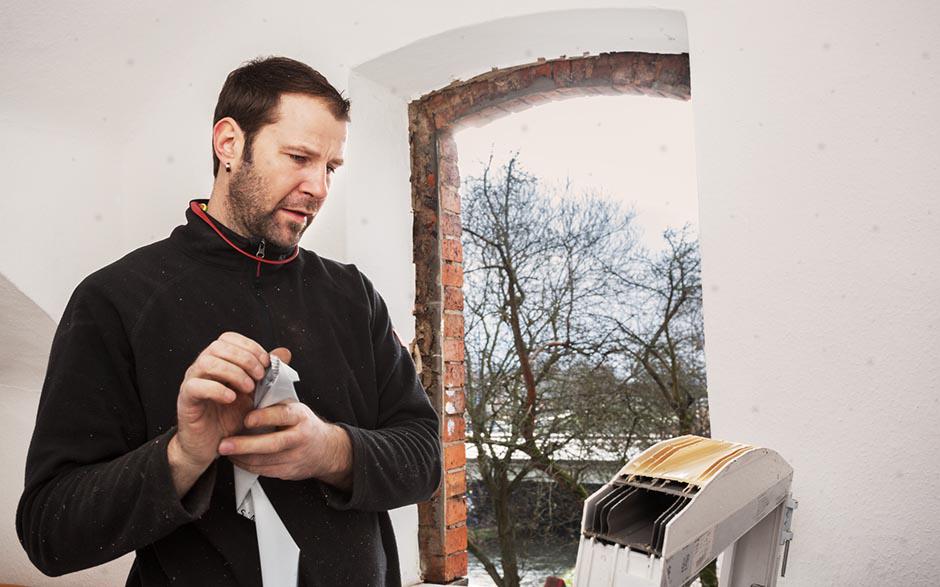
x: 278, y: 552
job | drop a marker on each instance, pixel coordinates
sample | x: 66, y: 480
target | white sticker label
x: 703, y: 548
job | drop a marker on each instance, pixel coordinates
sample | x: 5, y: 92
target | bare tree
x: 577, y: 342
x: 663, y: 333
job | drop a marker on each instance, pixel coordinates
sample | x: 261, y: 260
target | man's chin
x: 286, y: 241
x: 283, y: 234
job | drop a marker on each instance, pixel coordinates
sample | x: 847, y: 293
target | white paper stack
x: 278, y: 552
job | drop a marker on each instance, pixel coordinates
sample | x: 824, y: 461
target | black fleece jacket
x: 98, y: 483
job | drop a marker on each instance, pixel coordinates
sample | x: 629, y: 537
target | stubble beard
x: 247, y: 190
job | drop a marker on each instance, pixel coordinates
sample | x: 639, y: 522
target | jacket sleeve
x: 398, y: 463
x: 96, y: 488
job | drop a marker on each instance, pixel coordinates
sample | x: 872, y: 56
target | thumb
x: 282, y: 353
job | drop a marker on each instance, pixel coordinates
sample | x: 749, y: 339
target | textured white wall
x: 817, y: 135
x: 24, y: 348
x: 816, y: 131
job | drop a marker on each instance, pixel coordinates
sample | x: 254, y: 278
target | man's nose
x: 316, y: 183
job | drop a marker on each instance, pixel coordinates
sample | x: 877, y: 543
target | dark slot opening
x: 591, y: 518
x: 659, y: 527
x: 632, y: 521
x: 633, y: 511
x: 600, y: 514
x: 613, y: 506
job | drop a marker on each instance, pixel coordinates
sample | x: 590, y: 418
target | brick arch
x: 438, y: 253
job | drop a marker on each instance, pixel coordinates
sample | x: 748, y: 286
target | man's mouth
x: 297, y: 215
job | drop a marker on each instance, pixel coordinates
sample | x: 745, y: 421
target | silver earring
x: 228, y: 167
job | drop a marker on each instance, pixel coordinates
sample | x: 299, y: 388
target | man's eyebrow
x: 313, y: 153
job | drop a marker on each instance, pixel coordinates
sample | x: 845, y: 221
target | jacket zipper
x: 260, y: 255
x: 267, y: 334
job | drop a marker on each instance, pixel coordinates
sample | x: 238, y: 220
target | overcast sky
x: 634, y: 149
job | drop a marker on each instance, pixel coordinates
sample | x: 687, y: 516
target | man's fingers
x: 238, y: 355
x: 199, y: 390
x: 283, y: 470
x: 264, y: 444
x: 249, y: 345
x: 282, y: 353
x: 282, y: 414
x: 248, y: 462
x: 209, y: 366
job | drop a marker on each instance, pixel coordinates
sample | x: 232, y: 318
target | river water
x: 544, y: 558
x: 539, y: 559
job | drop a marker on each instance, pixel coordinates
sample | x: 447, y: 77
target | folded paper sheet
x: 278, y: 552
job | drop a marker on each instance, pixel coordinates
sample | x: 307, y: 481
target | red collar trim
x: 198, y: 211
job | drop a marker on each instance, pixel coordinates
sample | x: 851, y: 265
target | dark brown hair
x: 252, y: 92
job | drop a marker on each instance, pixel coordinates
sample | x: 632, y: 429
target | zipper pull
x: 260, y: 255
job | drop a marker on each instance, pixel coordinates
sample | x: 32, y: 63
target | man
x: 153, y: 366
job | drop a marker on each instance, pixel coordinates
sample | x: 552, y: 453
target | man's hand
x: 303, y: 446
x: 214, y: 397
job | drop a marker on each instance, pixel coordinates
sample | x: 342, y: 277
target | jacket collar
x: 205, y: 237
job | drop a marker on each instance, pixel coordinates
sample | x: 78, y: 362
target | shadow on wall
x: 24, y: 349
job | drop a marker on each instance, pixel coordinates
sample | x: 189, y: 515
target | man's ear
x: 227, y: 140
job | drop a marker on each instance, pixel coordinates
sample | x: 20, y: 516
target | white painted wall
x: 817, y: 134
x: 816, y: 131
x: 27, y: 335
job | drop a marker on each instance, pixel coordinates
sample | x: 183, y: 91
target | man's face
x: 278, y: 189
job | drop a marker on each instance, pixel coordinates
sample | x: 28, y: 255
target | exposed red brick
x: 455, y: 510
x: 644, y: 73
x: 427, y: 220
x: 450, y: 197
x: 581, y: 69
x: 455, y: 428
x: 602, y: 67
x: 455, y: 540
x: 628, y: 89
x: 444, y: 117
x: 449, y: 172
x: 436, y: 101
x: 452, y: 250
x: 515, y: 105
x: 452, y: 274
x: 429, y: 540
x: 570, y: 91
x: 606, y: 91
x: 441, y: 569
x: 621, y: 75
x: 446, y: 147
x: 537, y: 99
x: 450, y: 225
x: 482, y: 116
x: 456, y: 565
x: 561, y: 71
x: 454, y: 349
x: 505, y: 85
x: 478, y: 91
x: 453, y: 325
x: 455, y: 455
x: 455, y: 482
x: 543, y: 69
x: 455, y: 401
x: 455, y: 374
x: 453, y: 300
x: 430, y: 515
